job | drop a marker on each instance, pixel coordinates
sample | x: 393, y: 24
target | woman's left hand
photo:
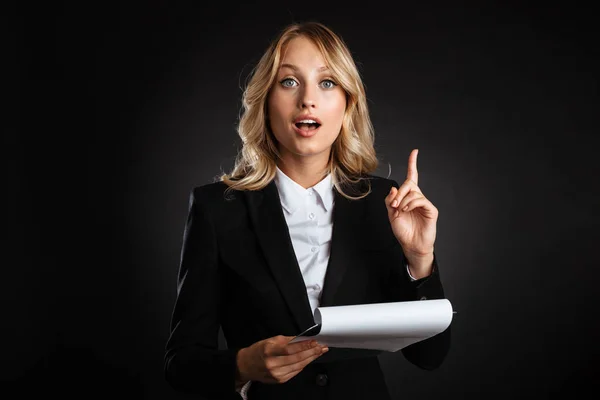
x: 413, y: 219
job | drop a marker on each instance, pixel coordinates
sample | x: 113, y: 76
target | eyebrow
x: 292, y: 66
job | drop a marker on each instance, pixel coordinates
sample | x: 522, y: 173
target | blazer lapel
x: 347, y: 217
x: 274, y: 238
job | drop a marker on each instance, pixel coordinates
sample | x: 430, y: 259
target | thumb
x: 276, y: 345
x: 282, y: 340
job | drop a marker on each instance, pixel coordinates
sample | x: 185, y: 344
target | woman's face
x: 305, y: 105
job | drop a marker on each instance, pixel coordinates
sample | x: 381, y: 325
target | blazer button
x: 322, y: 379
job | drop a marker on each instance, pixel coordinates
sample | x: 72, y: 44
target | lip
x: 307, y: 116
x: 306, y: 133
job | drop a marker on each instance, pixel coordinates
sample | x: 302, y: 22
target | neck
x: 305, y: 171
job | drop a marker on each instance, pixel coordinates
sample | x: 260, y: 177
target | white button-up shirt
x: 309, y: 217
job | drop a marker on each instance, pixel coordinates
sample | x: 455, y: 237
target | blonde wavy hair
x: 353, y: 154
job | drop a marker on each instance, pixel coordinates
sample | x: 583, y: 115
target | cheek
x: 277, y: 108
x: 337, y: 107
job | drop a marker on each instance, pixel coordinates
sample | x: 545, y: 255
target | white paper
x: 380, y: 326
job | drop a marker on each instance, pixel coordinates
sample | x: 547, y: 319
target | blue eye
x: 328, y: 84
x: 287, y: 82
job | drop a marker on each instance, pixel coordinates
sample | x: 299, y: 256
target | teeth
x: 306, y: 121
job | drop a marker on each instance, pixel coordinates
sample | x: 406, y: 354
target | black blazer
x: 238, y: 271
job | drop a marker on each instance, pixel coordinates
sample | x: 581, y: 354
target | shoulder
x: 214, y: 195
x: 216, y: 203
x: 380, y: 185
x: 209, y: 190
x: 373, y: 185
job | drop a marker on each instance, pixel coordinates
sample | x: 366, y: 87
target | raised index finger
x: 412, y: 173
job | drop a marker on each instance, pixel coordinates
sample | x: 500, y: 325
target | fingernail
x: 394, y: 203
x: 405, y: 208
x: 325, y: 349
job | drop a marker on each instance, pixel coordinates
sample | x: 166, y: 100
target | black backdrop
x: 122, y: 109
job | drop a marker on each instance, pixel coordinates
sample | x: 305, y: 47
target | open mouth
x: 307, y: 126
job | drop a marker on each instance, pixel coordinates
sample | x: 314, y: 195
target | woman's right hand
x: 275, y: 360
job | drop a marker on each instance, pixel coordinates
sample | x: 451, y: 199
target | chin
x: 308, y: 152
x: 310, y: 149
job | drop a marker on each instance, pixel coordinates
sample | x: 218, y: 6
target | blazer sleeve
x: 193, y: 362
x: 429, y: 353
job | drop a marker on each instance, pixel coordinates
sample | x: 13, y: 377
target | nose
x: 308, y: 97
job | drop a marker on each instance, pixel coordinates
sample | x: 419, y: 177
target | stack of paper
x: 381, y: 326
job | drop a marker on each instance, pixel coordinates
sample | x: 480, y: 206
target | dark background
x: 122, y: 109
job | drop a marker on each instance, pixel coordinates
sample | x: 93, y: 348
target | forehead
x: 303, y: 53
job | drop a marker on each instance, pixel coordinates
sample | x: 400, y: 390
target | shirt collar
x: 292, y: 194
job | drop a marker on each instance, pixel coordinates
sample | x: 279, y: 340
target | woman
x: 299, y: 223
